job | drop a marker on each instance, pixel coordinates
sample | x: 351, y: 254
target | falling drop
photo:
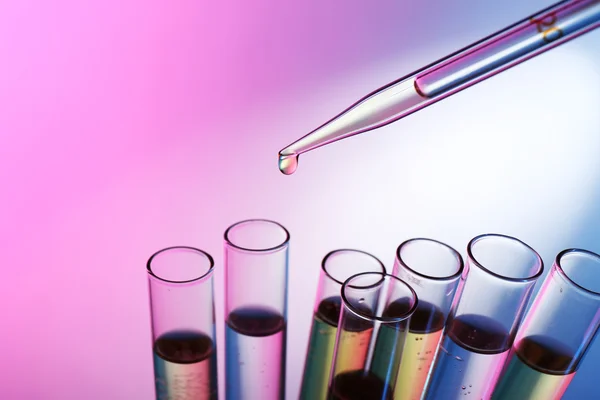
x: 288, y: 163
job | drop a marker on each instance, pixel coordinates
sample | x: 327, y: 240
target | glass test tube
x: 373, y: 323
x: 499, y: 277
x: 183, y: 323
x: 556, y: 332
x: 433, y: 270
x: 256, y: 270
x: 337, y: 266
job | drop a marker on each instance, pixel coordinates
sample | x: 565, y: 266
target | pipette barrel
x: 510, y: 47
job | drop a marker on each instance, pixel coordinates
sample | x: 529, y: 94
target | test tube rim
x: 202, y: 277
x: 457, y: 274
x: 265, y: 250
x: 562, y: 272
x: 496, y: 275
x: 374, y: 318
x: 333, y: 252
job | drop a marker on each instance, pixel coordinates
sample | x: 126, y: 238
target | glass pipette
x: 489, y: 56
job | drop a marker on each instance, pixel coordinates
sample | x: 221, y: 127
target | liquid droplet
x: 463, y: 387
x: 458, y: 358
x: 288, y: 163
x: 361, y: 300
x: 470, y: 385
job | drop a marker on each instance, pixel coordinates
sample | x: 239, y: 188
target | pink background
x: 128, y: 126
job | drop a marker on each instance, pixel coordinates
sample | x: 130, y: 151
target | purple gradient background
x: 128, y: 126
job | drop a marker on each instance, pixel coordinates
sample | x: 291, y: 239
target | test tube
x: 336, y: 267
x: 488, y: 308
x: 372, y: 327
x: 256, y: 270
x: 433, y: 270
x: 183, y: 323
x: 556, y: 332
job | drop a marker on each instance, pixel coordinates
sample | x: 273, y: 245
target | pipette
x: 489, y: 56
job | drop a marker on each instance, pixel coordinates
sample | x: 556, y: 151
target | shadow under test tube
x: 556, y: 332
x: 373, y: 323
x: 256, y: 270
x: 433, y: 270
x: 337, y: 266
x: 488, y: 308
x: 183, y: 323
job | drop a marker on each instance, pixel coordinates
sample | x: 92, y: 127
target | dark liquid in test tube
x: 185, y: 366
x: 471, y: 355
x: 359, y: 385
x: 377, y: 382
x: 322, y: 344
x: 539, y: 368
x: 255, y: 354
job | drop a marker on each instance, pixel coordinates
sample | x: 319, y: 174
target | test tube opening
x: 505, y: 257
x: 378, y: 297
x: 430, y: 259
x: 180, y: 264
x: 581, y: 268
x: 257, y: 235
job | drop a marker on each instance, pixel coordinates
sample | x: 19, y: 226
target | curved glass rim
x: 202, y: 252
x: 435, y: 278
x: 277, y: 247
x: 559, y: 267
x: 505, y: 278
x: 333, y: 252
x: 370, y: 317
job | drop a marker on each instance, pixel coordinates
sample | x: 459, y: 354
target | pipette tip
x: 288, y: 163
